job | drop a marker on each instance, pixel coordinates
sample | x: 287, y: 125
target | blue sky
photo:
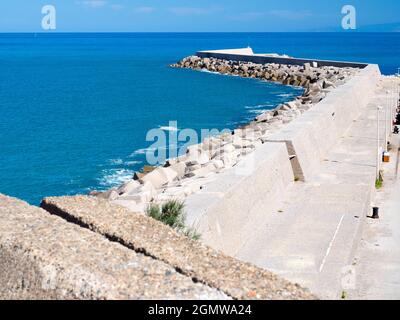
x: 197, y: 16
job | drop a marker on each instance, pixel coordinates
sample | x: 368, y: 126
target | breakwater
x: 289, y: 156
x: 188, y: 174
x: 311, y: 179
x: 229, y: 206
x: 247, y: 55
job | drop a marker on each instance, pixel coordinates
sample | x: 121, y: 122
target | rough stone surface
x: 235, y: 278
x: 44, y: 257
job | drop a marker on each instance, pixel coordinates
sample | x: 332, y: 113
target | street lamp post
x: 392, y: 107
x: 385, y: 147
x: 397, y: 96
x: 395, y: 104
x: 378, y: 151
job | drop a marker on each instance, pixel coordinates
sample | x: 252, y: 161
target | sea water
x: 75, y: 108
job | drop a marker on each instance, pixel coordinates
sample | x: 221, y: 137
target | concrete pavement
x: 313, y: 237
x: 377, y: 263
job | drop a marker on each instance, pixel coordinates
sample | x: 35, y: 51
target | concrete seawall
x: 228, y: 209
x: 305, y: 226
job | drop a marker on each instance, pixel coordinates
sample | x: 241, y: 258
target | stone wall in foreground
x: 45, y: 257
x: 236, y: 279
x: 226, y: 210
x: 87, y: 248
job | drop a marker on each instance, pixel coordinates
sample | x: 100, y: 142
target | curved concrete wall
x: 228, y: 210
x: 318, y: 130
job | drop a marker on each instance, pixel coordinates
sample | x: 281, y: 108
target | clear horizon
x: 189, y: 16
x: 176, y: 32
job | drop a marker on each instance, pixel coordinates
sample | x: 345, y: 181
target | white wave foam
x: 208, y: 71
x: 116, y: 161
x: 285, y: 95
x: 259, y: 111
x: 259, y: 106
x: 141, y: 151
x: 234, y: 123
x: 144, y: 151
x: 115, y: 177
x: 132, y: 163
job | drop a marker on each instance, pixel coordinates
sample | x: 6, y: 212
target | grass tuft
x: 172, y: 214
x: 192, y: 234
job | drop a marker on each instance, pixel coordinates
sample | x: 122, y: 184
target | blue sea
x: 75, y: 108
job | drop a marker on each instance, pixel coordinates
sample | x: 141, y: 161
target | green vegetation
x: 379, y: 181
x: 172, y: 214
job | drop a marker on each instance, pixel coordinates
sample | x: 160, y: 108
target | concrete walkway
x: 313, y: 238
x: 377, y: 264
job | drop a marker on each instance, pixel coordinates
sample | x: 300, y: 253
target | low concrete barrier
x: 235, y: 278
x: 229, y: 209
